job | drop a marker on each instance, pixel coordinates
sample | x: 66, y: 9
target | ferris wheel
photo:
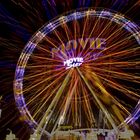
x: 80, y: 70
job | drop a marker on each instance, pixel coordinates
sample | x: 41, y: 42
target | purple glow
x: 73, y: 62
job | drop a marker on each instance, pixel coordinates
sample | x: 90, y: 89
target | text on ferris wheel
x: 73, y: 62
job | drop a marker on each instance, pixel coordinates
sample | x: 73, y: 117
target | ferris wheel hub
x: 73, y: 62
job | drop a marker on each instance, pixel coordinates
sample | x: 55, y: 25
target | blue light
x: 73, y: 62
x: 20, y: 73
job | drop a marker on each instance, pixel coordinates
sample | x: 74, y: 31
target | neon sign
x: 72, y: 45
x: 73, y: 62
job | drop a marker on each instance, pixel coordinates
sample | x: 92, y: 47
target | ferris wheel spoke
x: 58, y: 36
x: 51, y: 41
x: 118, y: 86
x: 46, y: 79
x: 34, y: 75
x: 118, y: 63
x: 121, y: 88
x: 117, y: 108
x: 118, y: 53
x: 88, y: 109
x: 76, y: 33
x: 83, y: 33
x: 46, y: 58
x: 96, y: 22
x: 75, y: 110
x: 42, y: 103
x: 92, y: 44
x: 40, y: 47
x: 120, y: 43
x: 62, y: 43
x: 43, y: 90
x: 66, y: 106
x: 55, y: 46
x: 54, y: 101
x: 118, y: 75
x: 67, y: 30
x: 110, y: 99
x: 85, y: 25
x: 68, y: 37
x: 43, y: 66
x: 43, y: 75
x: 114, y: 34
x: 56, y: 118
x: 86, y: 105
x: 98, y: 102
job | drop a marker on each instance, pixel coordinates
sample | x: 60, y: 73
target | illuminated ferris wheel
x: 80, y: 70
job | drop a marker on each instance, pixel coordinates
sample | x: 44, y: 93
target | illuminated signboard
x: 73, y: 62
